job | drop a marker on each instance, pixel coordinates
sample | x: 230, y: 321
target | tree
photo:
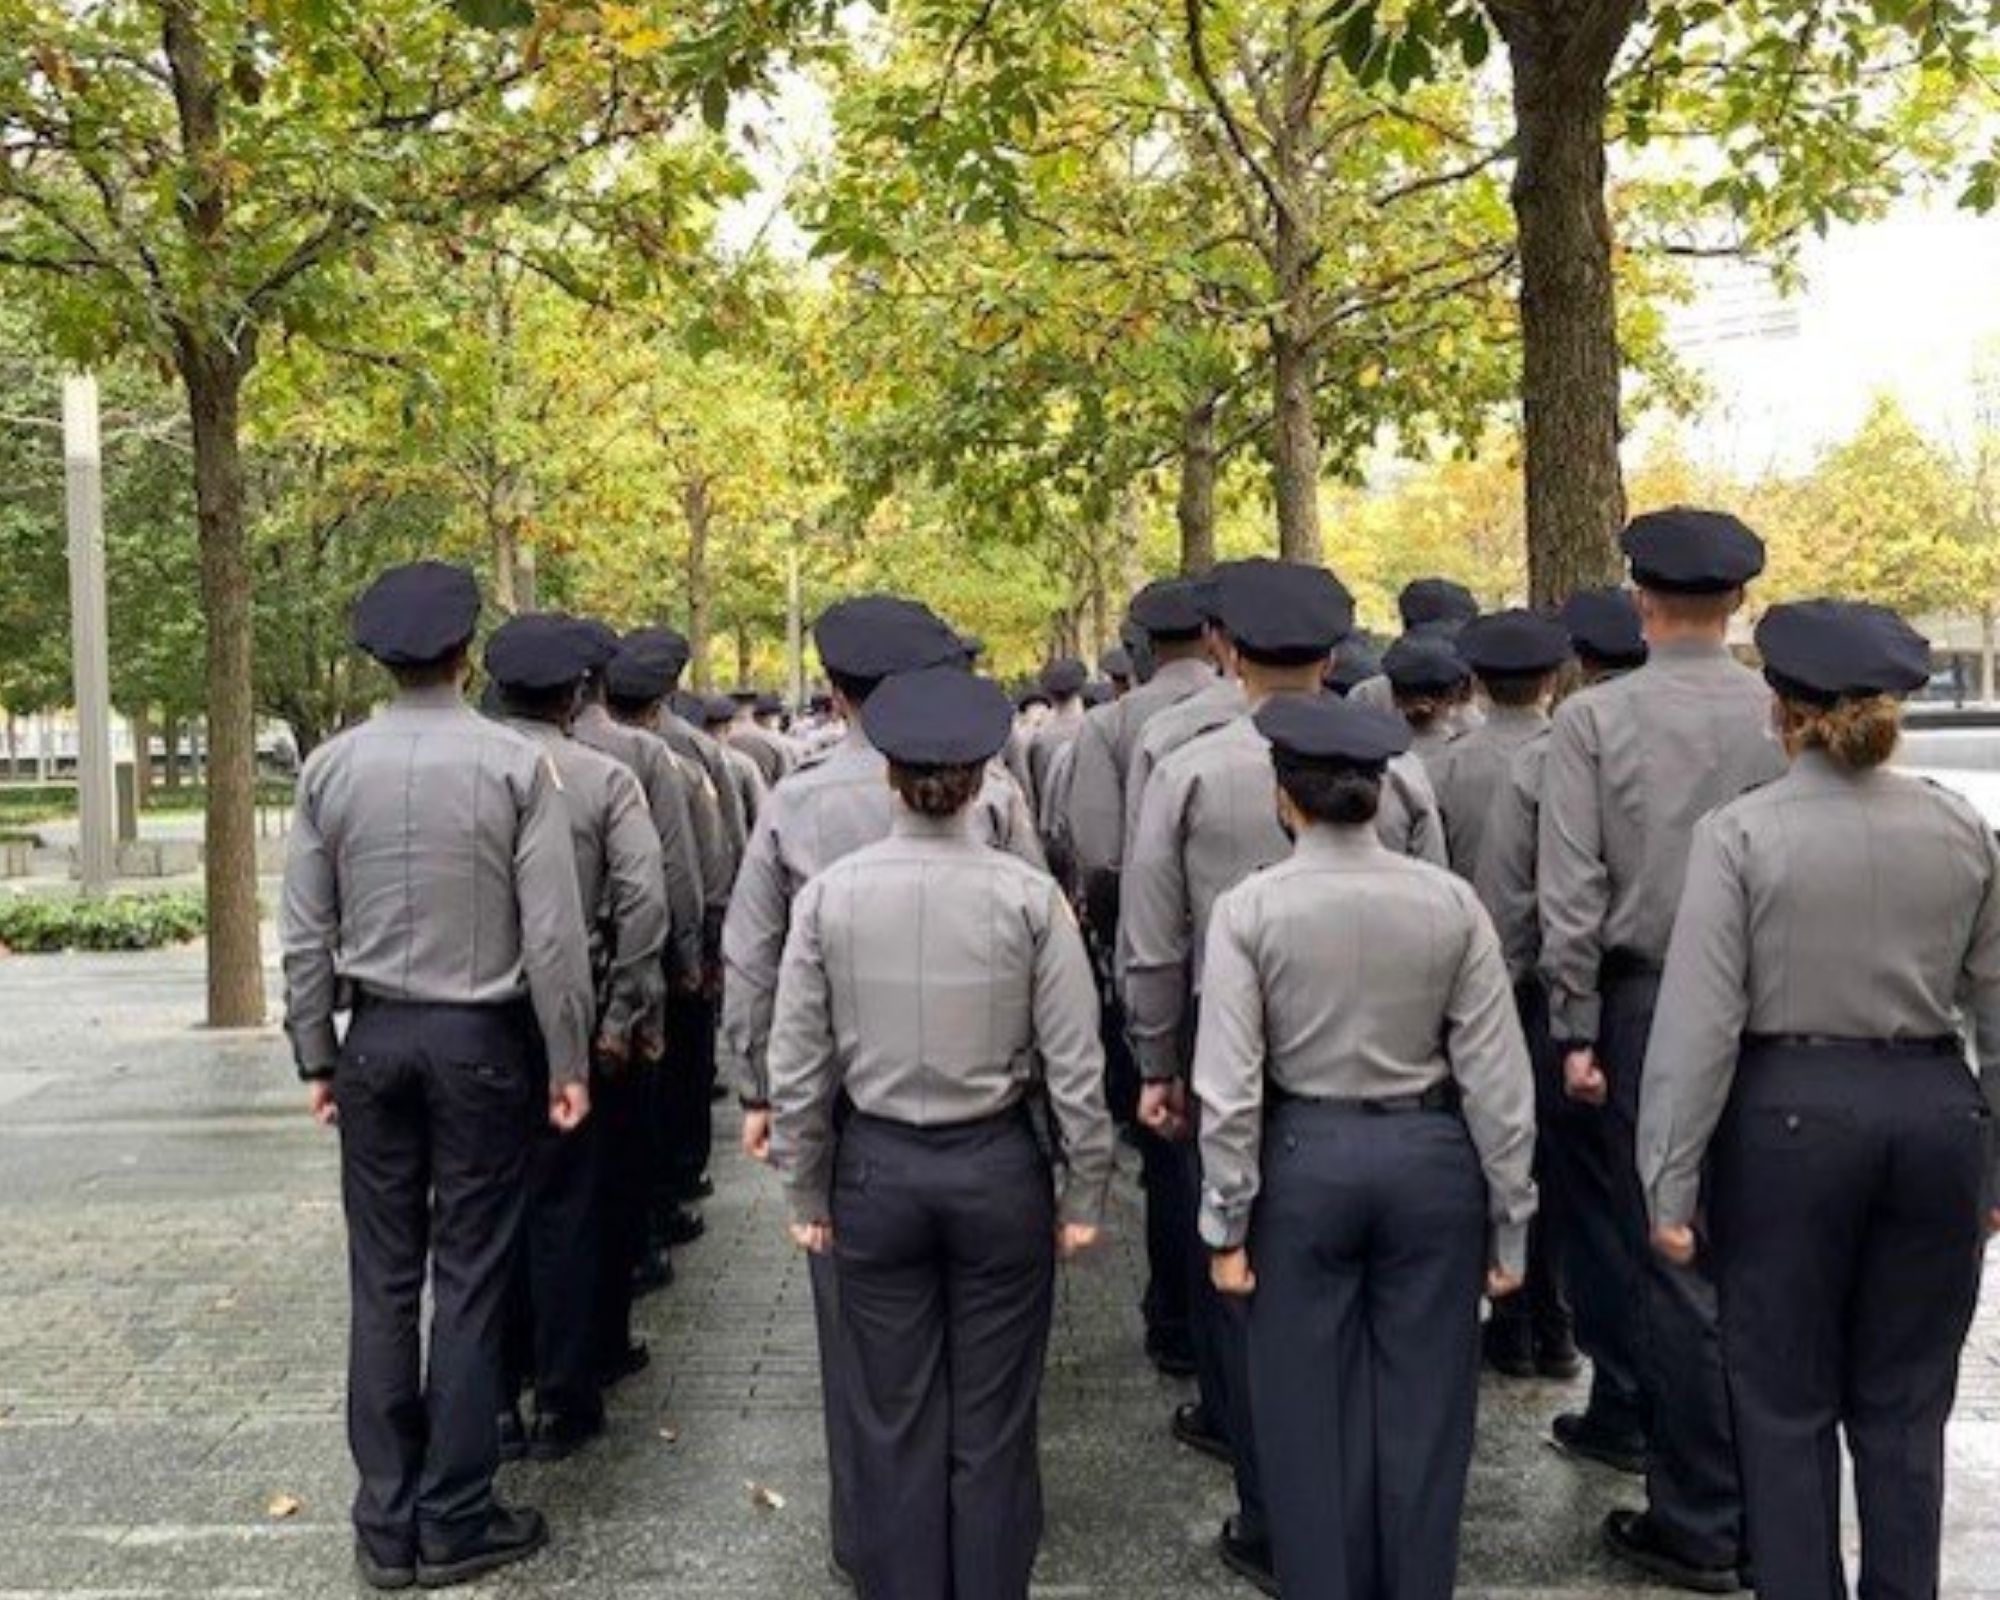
x: 1797, y: 113
x: 186, y: 177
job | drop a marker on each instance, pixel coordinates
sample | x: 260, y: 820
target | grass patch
x: 40, y: 924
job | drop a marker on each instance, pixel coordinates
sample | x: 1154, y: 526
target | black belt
x: 1442, y: 1096
x: 1944, y: 1044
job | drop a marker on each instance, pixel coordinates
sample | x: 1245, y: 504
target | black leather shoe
x: 1557, y: 1358
x: 1576, y: 1435
x: 1509, y: 1347
x: 399, y: 1572
x: 1632, y: 1538
x: 1249, y: 1559
x: 636, y: 1359
x: 653, y: 1273
x: 703, y: 1188
x: 1170, y: 1355
x: 560, y: 1434
x: 509, y: 1536
x: 513, y: 1437
x: 1191, y: 1428
x: 682, y: 1227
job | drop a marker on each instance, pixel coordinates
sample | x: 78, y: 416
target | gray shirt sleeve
x: 1489, y: 1060
x: 1229, y: 1077
x: 1981, y: 991
x: 1066, y: 1037
x: 1153, y: 933
x: 635, y: 889
x: 681, y: 863
x: 804, y: 1071
x: 1410, y: 823
x: 1698, y: 1026
x: 704, y: 805
x: 555, y: 949
x: 1505, y: 873
x: 1096, y: 806
x: 309, y: 933
x: 753, y: 944
x: 1573, y: 884
x: 1014, y: 823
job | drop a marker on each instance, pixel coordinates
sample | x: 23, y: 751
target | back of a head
x: 1840, y: 670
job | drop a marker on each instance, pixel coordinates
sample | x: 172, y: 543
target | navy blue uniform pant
x: 437, y: 1108
x: 1847, y: 1205
x: 1543, y: 1303
x: 552, y: 1341
x: 945, y: 1253
x: 1369, y: 1243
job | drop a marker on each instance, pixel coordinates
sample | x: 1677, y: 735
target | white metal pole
x: 83, y: 463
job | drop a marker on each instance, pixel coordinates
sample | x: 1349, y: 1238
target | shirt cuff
x: 316, y: 1049
x: 1510, y: 1248
x: 1673, y: 1200
x: 1574, y: 1018
x: 809, y: 1204
x: 748, y: 1074
x: 1081, y: 1204
x: 1159, y: 1059
x: 1224, y: 1227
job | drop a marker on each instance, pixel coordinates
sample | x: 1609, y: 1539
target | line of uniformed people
x: 1387, y: 967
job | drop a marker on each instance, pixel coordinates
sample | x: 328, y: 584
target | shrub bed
x: 36, y: 924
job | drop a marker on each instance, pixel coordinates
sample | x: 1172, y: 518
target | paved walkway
x: 173, y: 1329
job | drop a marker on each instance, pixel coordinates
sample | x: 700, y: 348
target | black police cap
x: 667, y: 648
x: 1286, y: 613
x: 973, y: 646
x: 1171, y: 608
x: 1604, y: 626
x: 940, y: 716
x: 1033, y: 695
x: 1065, y: 676
x: 635, y: 675
x: 1351, y: 668
x: 537, y: 652
x: 1326, y: 730
x: 416, y: 615
x: 770, y: 705
x: 1415, y: 664
x: 1686, y: 551
x: 718, y: 709
x: 1116, y: 662
x: 873, y: 635
x: 1518, y: 644
x: 599, y: 641
x: 1830, y: 650
x: 1436, y: 600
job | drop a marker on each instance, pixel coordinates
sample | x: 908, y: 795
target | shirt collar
x: 433, y: 697
x: 1689, y: 650
x: 1331, y: 841
x: 1191, y: 670
x: 909, y: 825
x: 1515, y: 717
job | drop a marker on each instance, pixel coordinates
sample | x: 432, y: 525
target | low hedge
x: 38, y: 924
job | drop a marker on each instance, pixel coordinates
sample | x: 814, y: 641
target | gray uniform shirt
x: 772, y: 753
x: 1095, y: 806
x: 935, y: 979
x: 1632, y: 766
x: 620, y: 877
x: 1348, y: 972
x: 667, y: 788
x: 1209, y: 820
x: 827, y: 809
x: 1470, y: 774
x: 1056, y: 733
x: 430, y: 860
x: 691, y: 744
x: 749, y: 782
x: 1847, y: 905
x: 1505, y: 875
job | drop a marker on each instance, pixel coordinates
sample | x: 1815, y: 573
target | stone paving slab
x: 172, y: 1344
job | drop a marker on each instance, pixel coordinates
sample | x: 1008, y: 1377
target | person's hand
x: 815, y: 1238
x: 1229, y: 1271
x: 1674, y: 1242
x: 757, y: 1135
x: 1583, y: 1078
x: 652, y: 1047
x: 1073, y: 1238
x: 569, y: 1104
x: 1163, y: 1108
x: 1993, y: 1222
x: 319, y: 1099
x: 614, y: 1051
x: 1501, y: 1282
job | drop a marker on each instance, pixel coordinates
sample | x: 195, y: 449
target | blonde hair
x: 1860, y: 734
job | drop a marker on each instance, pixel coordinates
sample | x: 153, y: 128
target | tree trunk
x: 1295, y: 334
x: 695, y: 504
x: 1569, y: 321
x: 170, y: 735
x: 142, y: 752
x: 214, y: 383
x: 1195, y: 509
x: 743, y: 666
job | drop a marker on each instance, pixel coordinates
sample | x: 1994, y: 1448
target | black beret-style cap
x: 599, y: 641
x: 973, y: 646
x: 1513, y: 644
x: 1065, y: 676
x: 667, y: 647
x: 635, y: 675
x: 1685, y: 551
x: 770, y: 704
x: 717, y: 709
x: 1436, y: 600
x: 941, y: 716
x: 1326, y: 729
x: 1116, y: 662
x: 1830, y: 650
x: 1416, y: 664
x: 419, y: 614
x: 1171, y: 608
x: 1604, y: 626
x: 873, y: 635
x: 1352, y: 667
x: 537, y: 652
x: 1033, y: 695
x: 1284, y: 612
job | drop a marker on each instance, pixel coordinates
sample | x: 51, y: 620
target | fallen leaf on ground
x: 671, y: 1435
x: 284, y: 1505
x: 765, y: 1499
